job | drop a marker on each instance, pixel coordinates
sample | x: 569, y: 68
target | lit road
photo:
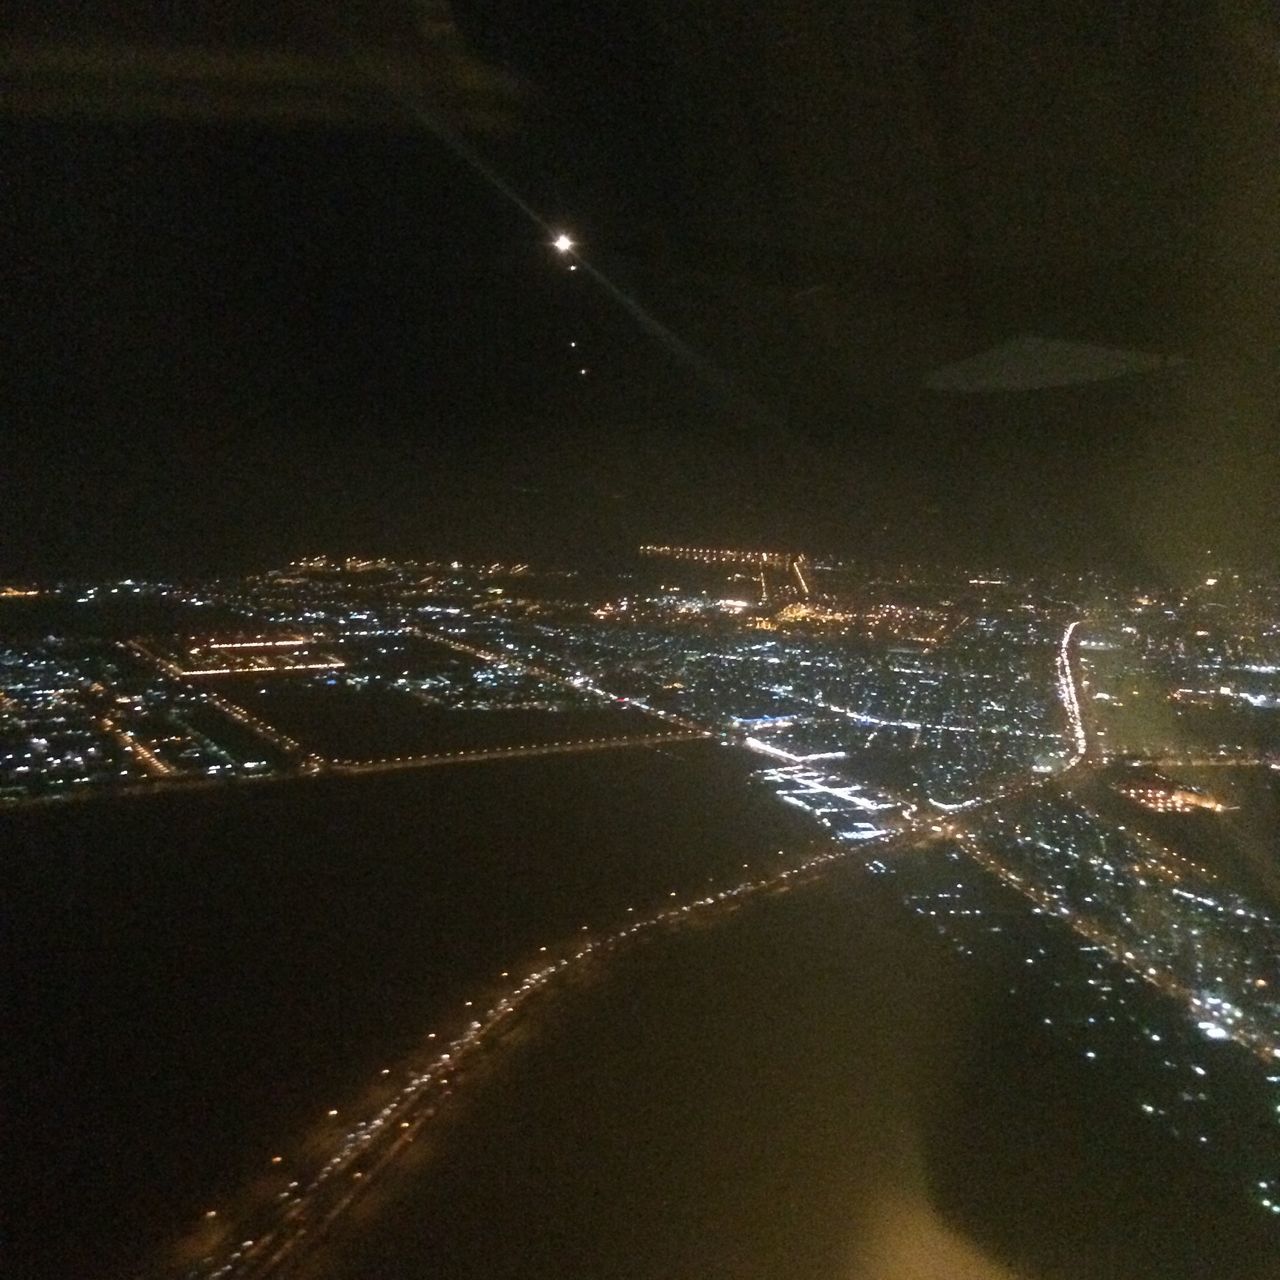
x: 1069, y: 695
x: 302, y: 1204
x: 1190, y: 761
x: 148, y: 759
x: 512, y: 753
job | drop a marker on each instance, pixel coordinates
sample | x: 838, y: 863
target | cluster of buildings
x: 81, y: 717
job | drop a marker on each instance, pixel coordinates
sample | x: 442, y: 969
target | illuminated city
x: 641, y: 642
x: 969, y: 736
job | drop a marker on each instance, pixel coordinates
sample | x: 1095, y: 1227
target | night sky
x: 258, y: 301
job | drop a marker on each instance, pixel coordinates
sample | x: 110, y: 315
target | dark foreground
x: 815, y: 1088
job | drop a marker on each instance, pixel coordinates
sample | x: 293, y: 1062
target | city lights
x: 977, y: 719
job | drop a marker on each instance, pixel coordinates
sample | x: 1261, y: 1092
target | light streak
x: 253, y: 644
x: 925, y: 726
x: 717, y: 555
x: 267, y: 732
x: 814, y: 784
x: 332, y: 665
x: 1069, y: 697
x: 181, y: 673
x: 507, y: 753
x: 151, y: 762
x: 799, y: 572
x: 767, y: 749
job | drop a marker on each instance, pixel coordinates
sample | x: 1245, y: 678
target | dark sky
x: 256, y: 304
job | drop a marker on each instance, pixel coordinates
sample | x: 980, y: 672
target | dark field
x: 343, y: 722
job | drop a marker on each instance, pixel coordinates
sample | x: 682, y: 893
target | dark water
x: 816, y: 1086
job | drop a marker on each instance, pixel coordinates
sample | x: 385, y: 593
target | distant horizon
x: 607, y: 560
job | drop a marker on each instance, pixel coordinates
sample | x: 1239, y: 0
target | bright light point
x: 562, y: 243
x: 573, y: 266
